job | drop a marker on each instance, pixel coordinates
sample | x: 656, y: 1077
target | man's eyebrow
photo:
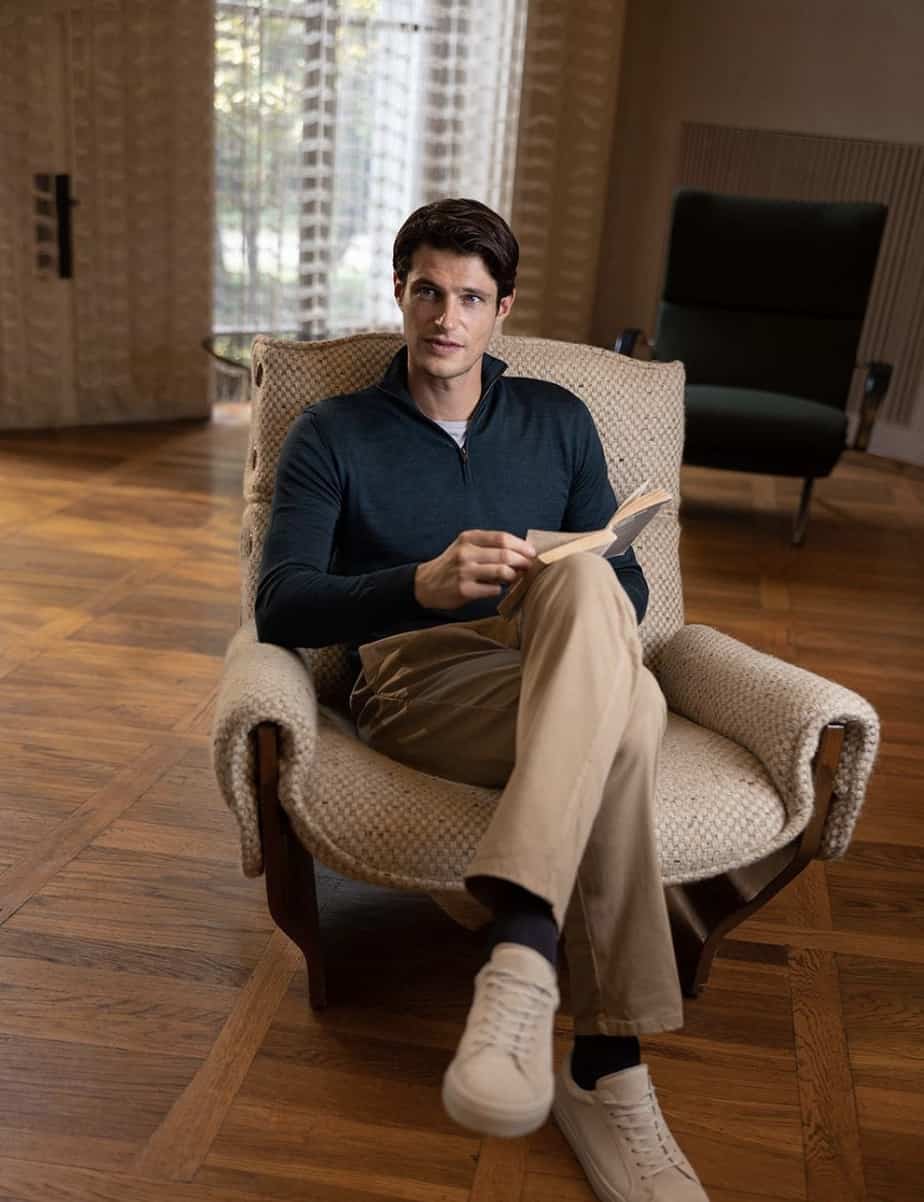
x: 424, y: 282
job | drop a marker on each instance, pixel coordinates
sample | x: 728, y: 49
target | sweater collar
x: 394, y: 382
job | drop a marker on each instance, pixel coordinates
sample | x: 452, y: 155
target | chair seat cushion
x: 748, y: 430
x: 380, y: 821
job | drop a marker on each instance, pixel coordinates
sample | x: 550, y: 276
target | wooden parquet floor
x: 155, y: 1041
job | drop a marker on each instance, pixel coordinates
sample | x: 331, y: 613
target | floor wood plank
x: 182, y: 1141
x: 72, y: 835
x: 155, y: 1038
x: 833, y: 1160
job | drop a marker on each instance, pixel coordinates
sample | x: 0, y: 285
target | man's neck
x: 453, y: 400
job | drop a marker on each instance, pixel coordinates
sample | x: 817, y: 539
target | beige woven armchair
x: 764, y: 765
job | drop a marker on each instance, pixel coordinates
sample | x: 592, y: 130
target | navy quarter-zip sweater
x: 368, y: 487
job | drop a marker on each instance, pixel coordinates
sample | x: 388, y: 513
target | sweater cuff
x: 402, y: 604
x: 397, y: 585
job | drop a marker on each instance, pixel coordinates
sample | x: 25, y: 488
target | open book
x: 632, y: 516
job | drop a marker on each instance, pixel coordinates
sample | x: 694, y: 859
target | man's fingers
x: 516, y: 559
x: 494, y: 571
x: 499, y: 539
x: 474, y: 591
x: 483, y: 562
x: 484, y: 557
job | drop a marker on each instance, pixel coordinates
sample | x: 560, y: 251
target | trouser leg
x: 443, y: 700
x: 622, y: 968
x: 459, y: 701
x: 581, y: 664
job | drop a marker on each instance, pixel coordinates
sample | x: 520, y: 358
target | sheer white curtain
x: 336, y: 118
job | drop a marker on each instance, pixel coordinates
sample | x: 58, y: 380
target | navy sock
x: 596, y: 1056
x: 522, y: 917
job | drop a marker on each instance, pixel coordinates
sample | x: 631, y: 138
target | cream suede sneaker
x: 619, y: 1135
x: 501, y: 1081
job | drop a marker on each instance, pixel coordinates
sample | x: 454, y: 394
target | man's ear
x: 399, y: 288
x: 506, y: 305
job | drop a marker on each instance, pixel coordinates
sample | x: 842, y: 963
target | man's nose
x: 447, y: 319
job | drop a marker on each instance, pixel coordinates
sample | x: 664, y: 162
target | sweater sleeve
x: 300, y: 602
x: 592, y: 503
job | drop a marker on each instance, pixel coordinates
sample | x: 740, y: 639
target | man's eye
x: 426, y: 292
x: 471, y: 299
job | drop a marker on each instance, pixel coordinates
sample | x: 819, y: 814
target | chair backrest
x: 768, y: 294
x: 637, y: 408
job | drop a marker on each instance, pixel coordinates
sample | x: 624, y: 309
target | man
x: 398, y: 520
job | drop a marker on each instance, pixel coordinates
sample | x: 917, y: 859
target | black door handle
x: 63, y: 204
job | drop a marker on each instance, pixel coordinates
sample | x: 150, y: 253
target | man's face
x: 449, y: 303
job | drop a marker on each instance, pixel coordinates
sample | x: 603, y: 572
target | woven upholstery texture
x: 735, y: 780
x: 357, y: 810
x: 261, y: 683
x: 777, y: 711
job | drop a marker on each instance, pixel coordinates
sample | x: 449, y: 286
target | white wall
x: 902, y: 442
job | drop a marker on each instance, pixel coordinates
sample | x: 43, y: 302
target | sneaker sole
x: 486, y: 1120
x: 598, y: 1183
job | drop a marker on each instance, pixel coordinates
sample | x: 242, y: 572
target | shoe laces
x: 651, y: 1143
x: 509, y: 1014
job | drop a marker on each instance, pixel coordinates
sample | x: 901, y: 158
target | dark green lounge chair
x: 764, y: 302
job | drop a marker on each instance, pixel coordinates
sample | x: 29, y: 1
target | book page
x: 595, y: 541
x: 624, y: 523
x: 552, y: 545
x: 545, y: 540
x: 627, y: 501
x: 629, y: 528
x: 637, y: 504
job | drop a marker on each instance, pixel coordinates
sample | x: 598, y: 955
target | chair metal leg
x: 291, y: 888
x: 703, y: 912
x: 802, y: 516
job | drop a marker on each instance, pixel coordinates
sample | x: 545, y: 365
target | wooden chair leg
x: 703, y: 912
x: 291, y: 887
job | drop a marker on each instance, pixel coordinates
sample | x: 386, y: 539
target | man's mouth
x: 444, y: 344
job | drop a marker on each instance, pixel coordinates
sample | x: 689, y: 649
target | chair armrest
x: 777, y: 711
x: 626, y: 340
x: 875, y: 386
x: 261, y: 683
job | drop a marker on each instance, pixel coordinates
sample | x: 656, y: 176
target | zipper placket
x: 463, y: 450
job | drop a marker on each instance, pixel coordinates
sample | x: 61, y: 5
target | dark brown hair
x: 466, y: 227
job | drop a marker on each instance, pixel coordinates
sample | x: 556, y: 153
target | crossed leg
x: 558, y: 711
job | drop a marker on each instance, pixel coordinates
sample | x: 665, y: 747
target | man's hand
x: 476, y: 564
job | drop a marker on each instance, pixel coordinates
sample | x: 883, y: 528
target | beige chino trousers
x: 556, y: 708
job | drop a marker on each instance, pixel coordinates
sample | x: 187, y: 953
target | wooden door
x: 111, y: 102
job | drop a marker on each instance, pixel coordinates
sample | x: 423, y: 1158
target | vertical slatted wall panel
x: 119, y: 97
x: 753, y: 162
x: 36, y: 385
x: 567, y: 111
